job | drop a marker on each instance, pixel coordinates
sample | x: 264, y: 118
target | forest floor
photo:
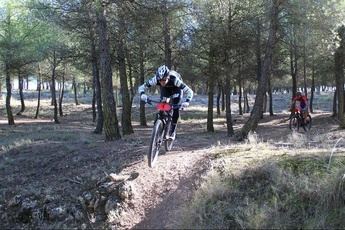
x: 63, y: 176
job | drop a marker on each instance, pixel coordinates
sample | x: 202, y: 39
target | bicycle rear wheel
x: 156, y: 141
x: 294, y: 123
x: 168, y: 144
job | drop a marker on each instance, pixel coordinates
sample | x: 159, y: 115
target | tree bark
x: 270, y: 97
x: 74, y: 85
x: 219, y: 92
x: 21, y: 94
x: 258, y: 49
x: 264, y: 105
x: 229, y: 124
x: 111, y: 126
x: 126, y: 120
x: 210, y: 127
x: 247, y: 108
x: 312, y: 89
x: 166, y: 34
x: 95, y: 74
x: 84, y: 88
x: 130, y: 74
x: 239, y: 81
x: 141, y: 81
x: 334, y: 114
x: 62, y: 91
x: 339, y: 59
x: 93, y: 103
x: 227, y: 88
x: 293, y: 65
x: 53, y: 89
x: 8, y: 95
x: 305, y: 70
x: 39, y: 81
x: 211, y: 84
x: 256, y: 114
x: 223, y: 99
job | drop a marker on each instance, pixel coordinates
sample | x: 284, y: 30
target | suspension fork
x: 162, y: 117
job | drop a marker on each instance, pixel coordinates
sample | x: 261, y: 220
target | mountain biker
x: 171, y: 85
x: 300, y: 102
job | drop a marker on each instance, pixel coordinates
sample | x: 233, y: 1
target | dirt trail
x: 161, y: 190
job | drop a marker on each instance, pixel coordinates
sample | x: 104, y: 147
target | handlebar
x: 174, y: 106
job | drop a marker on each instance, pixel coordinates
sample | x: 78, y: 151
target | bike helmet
x: 162, y: 72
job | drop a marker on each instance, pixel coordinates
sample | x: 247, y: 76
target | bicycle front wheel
x: 294, y: 123
x: 168, y: 144
x: 156, y: 141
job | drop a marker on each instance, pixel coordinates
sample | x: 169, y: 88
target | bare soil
x: 64, y: 176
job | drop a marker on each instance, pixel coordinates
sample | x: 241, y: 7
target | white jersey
x: 175, y: 80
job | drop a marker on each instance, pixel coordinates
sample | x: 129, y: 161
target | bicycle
x: 161, y: 128
x: 297, y: 121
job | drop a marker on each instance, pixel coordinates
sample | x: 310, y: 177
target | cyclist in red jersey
x: 300, y: 102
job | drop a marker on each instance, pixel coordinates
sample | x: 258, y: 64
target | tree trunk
x: 8, y: 96
x: 339, y: 78
x: 210, y: 127
x: 20, y: 87
x: 253, y: 120
x: 100, y: 118
x: 211, y: 84
x: 270, y: 97
x: 130, y: 74
x: 239, y: 81
x: 264, y: 106
x: 218, y: 98
x: 141, y: 81
x: 166, y: 34
x: 293, y: 62
x: 126, y: 120
x: 62, y: 91
x: 223, y: 99
x: 93, y: 103
x: 227, y: 88
x: 229, y: 124
x: 111, y: 125
x: 258, y: 49
x: 39, y: 80
x: 247, y: 110
x: 305, y: 70
x: 335, y: 104
x: 53, y: 90
x: 74, y: 85
x: 84, y: 88
x: 96, y: 77
x: 312, y: 89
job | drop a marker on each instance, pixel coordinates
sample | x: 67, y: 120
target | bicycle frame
x: 160, y: 130
x: 297, y: 120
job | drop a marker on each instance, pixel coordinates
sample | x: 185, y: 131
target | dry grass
x: 269, y: 188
